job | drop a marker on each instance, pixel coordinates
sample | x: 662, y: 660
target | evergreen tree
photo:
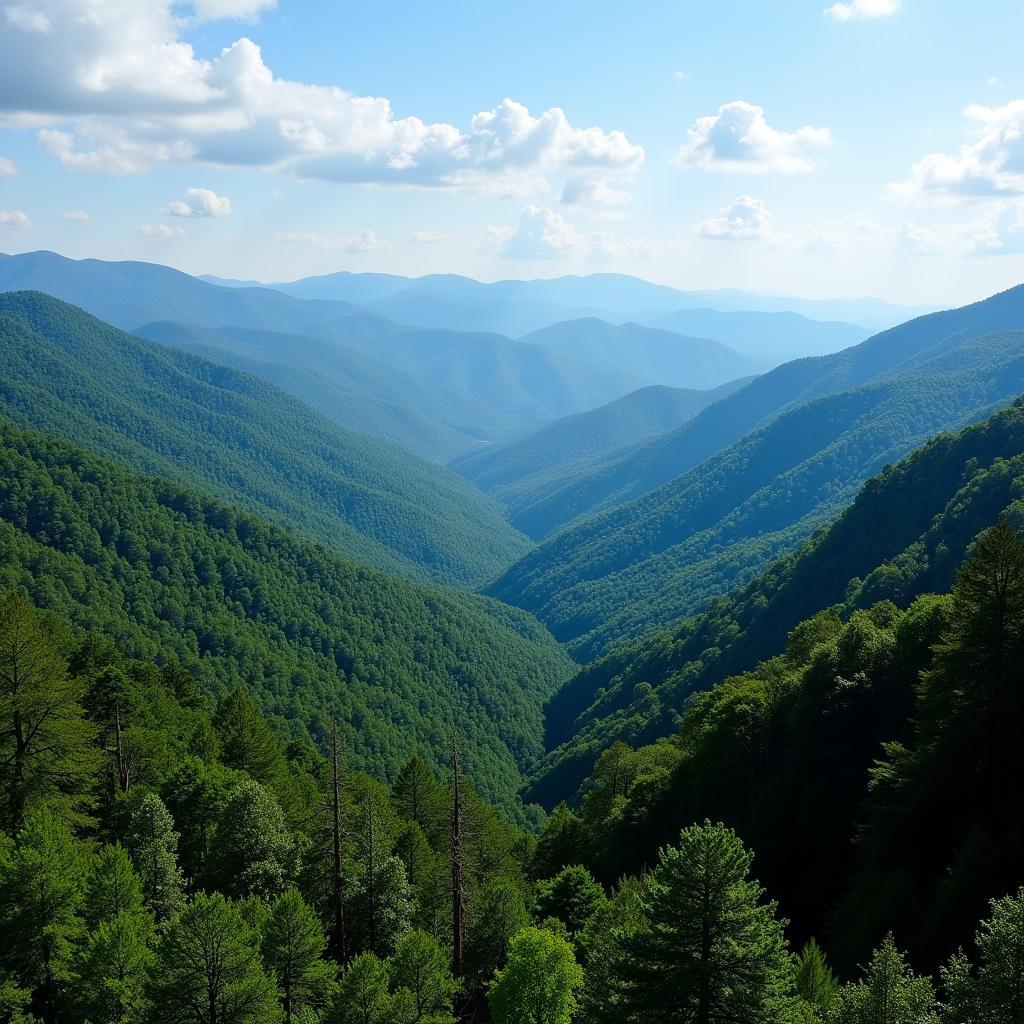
x: 711, y: 951
x: 252, y: 852
x: 153, y: 844
x: 539, y: 983
x: 419, y: 798
x: 363, y: 995
x: 47, y: 753
x: 293, y: 948
x: 421, y: 972
x: 246, y: 741
x: 497, y: 912
x: 560, y: 844
x: 42, y: 880
x: 889, y: 994
x: 572, y: 896
x: 113, y: 967
x: 112, y: 886
x: 815, y: 983
x: 208, y: 970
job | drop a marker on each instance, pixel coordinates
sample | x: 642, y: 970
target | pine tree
x: 47, y: 752
x: 293, y: 950
x: 153, y: 845
x: 42, y: 880
x: 889, y: 994
x: 112, y: 969
x: 572, y: 896
x: 419, y: 798
x: 247, y: 742
x: 208, y: 969
x: 112, y: 886
x: 815, y: 982
x: 711, y: 951
x: 538, y: 985
x: 363, y: 994
x: 497, y: 912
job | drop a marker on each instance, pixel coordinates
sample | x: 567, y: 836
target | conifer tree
x: 711, y: 951
x: 112, y: 969
x: 572, y: 896
x: 112, y: 886
x: 363, y: 994
x: 421, y: 971
x: 152, y: 843
x: 815, y: 983
x: 890, y: 993
x: 246, y: 741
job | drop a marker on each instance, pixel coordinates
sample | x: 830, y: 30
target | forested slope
x: 167, y: 412
x: 904, y: 535
x: 162, y: 570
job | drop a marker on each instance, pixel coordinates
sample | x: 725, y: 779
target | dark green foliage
x: 153, y: 844
x: 572, y: 897
x: 709, y: 951
x: 164, y: 412
x: 905, y: 534
x: 163, y: 572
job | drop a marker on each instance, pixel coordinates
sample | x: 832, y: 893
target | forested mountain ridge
x: 512, y: 473
x: 657, y: 461
x: 647, y: 353
x: 904, y: 535
x: 167, y: 412
x: 347, y: 386
x: 165, y: 572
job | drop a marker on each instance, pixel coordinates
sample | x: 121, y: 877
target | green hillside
x: 512, y: 473
x: 904, y: 535
x: 170, y: 413
x: 664, y: 555
x: 164, y: 571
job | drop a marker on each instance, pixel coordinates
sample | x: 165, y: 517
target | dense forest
x: 166, y: 572
x: 164, y: 858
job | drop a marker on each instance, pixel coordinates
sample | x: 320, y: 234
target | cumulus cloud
x: 365, y: 241
x: 744, y: 219
x: 427, y: 237
x: 542, y: 235
x: 990, y: 164
x: 165, y: 231
x: 862, y: 9
x: 80, y: 216
x: 212, y: 10
x: 200, y: 202
x: 7, y: 168
x: 14, y: 219
x: 739, y: 139
x: 586, y: 191
x: 120, y: 91
x: 27, y: 18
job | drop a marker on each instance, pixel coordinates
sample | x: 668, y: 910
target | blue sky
x: 872, y: 147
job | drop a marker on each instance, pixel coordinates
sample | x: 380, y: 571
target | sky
x: 868, y: 147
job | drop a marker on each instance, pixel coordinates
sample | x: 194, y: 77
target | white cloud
x: 427, y: 237
x: 862, y: 9
x: 80, y: 216
x: 738, y: 138
x: 542, y: 235
x: 27, y: 18
x: 680, y: 75
x: 744, y: 219
x: 200, y: 202
x: 364, y: 241
x: 211, y: 10
x: 14, y: 219
x: 165, y: 231
x: 7, y: 168
x: 992, y: 164
x: 580, y: 190
x: 120, y: 91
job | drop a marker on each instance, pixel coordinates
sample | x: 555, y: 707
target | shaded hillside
x: 904, y: 535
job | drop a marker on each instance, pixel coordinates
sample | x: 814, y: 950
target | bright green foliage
x: 539, y: 983
x: 710, y: 951
x: 252, y: 853
x: 112, y: 969
x: 815, y: 983
x: 421, y: 976
x: 889, y: 994
x: 165, y: 573
x: 381, y: 904
x: 153, y: 844
x: 293, y: 949
x: 208, y: 969
x: 46, y: 753
x: 363, y: 996
x: 572, y: 896
x: 42, y: 879
x: 112, y: 886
